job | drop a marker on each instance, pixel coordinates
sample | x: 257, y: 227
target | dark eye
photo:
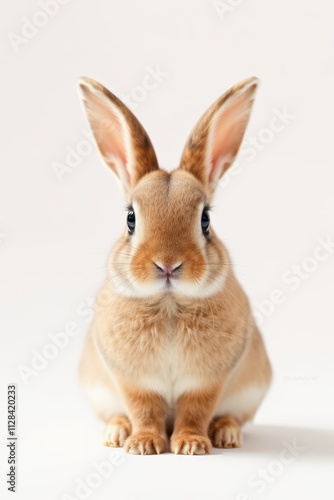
x: 131, y: 221
x: 205, y: 222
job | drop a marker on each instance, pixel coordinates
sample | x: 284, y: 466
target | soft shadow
x: 268, y: 439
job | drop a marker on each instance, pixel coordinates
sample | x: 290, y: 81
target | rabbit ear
x: 122, y: 141
x: 216, y: 138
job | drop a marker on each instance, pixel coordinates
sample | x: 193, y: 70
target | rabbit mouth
x: 168, y: 275
x: 167, y: 283
x: 168, y: 272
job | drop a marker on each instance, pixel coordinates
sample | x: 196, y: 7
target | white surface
x: 55, y: 235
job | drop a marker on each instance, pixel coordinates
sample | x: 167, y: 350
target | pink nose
x: 168, y: 270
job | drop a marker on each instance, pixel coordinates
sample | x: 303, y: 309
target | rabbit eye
x: 205, y: 222
x: 131, y: 221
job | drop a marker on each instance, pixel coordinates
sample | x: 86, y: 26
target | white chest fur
x: 169, y: 352
x: 172, y: 375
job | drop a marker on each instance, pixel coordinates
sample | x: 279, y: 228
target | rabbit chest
x: 166, y: 347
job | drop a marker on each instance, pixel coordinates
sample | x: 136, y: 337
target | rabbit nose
x: 168, y: 270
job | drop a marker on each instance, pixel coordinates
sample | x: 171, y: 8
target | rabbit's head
x: 168, y: 245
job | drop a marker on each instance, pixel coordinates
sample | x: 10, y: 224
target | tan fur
x: 193, y: 155
x: 225, y: 432
x: 178, y: 357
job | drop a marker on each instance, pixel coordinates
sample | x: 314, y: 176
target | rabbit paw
x: 117, y: 430
x: 225, y: 432
x: 146, y: 443
x: 190, y: 444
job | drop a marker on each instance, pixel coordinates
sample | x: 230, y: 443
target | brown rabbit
x: 173, y: 345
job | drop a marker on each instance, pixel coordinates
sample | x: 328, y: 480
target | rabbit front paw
x: 145, y: 443
x: 190, y: 444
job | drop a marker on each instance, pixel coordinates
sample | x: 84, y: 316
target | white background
x: 55, y: 232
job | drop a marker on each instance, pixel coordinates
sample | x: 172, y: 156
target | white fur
x: 128, y: 287
x: 104, y: 401
x: 201, y: 290
x: 172, y: 377
x: 242, y: 403
x: 115, y: 435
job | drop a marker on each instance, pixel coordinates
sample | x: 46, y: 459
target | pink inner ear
x: 109, y: 133
x: 228, y: 129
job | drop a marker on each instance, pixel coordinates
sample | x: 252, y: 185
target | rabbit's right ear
x: 216, y: 139
x: 122, y: 141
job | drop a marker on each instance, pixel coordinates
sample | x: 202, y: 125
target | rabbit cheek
x: 195, y: 265
x: 141, y: 265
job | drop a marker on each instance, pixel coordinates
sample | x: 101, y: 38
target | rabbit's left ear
x: 122, y: 141
x: 216, y: 138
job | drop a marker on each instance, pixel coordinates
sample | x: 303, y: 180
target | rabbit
x: 173, y: 360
